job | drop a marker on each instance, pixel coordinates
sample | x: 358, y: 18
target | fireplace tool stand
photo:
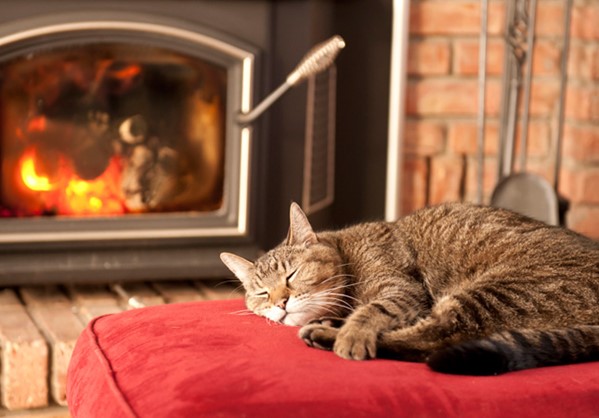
x: 523, y: 192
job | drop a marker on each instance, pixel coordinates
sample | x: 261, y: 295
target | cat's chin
x: 284, y: 317
x: 295, y: 319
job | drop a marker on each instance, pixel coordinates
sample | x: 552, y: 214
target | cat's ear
x: 239, y: 266
x: 300, y: 230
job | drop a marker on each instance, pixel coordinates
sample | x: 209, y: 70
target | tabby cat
x: 468, y: 289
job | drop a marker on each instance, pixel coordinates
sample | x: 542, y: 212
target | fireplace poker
x: 318, y: 59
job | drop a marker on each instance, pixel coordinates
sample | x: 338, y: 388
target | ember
x: 113, y: 131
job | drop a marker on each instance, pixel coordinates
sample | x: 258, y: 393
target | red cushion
x: 201, y: 359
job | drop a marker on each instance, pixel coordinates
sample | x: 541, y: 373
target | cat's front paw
x: 319, y: 335
x: 329, y: 321
x: 353, y: 343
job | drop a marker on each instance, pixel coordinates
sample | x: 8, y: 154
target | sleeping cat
x: 468, y: 289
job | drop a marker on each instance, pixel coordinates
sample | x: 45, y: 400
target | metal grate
x: 319, y: 154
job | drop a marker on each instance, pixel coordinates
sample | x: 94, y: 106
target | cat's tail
x: 517, y: 350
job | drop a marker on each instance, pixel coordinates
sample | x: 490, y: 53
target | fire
x: 126, y: 73
x: 66, y: 194
x: 29, y: 174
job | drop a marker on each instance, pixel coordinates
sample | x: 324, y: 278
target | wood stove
x: 122, y: 157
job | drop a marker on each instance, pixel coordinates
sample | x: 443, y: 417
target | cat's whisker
x: 241, y: 311
x: 332, y: 302
x: 339, y: 295
x: 337, y: 276
x: 335, y: 291
x: 226, y: 282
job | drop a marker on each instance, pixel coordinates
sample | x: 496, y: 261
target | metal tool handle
x: 482, y: 86
x: 318, y: 59
x: 562, y: 95
x: 530, y: 42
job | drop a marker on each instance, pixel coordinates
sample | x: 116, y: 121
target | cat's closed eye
x: 291, y: 276
x: 261, y: 294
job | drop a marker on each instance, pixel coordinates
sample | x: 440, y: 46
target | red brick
x: 450, y: 97
x: 581, y: 143
x: 550, y: 15
x: 458, y: 17
x: 538, y: 142
x: 593, y: 54
x: 582, y: 102
x: 414, y: 183
x: 446, y: 179
x: 462, y: 138
x: 547, y: 58
x: 583, y: 219
x: 583, y: 61
x: 465, y: 57
x: 542, y: 167
x: 489, y: 178
x: 24, y: 357
x: 428, y: 57
x: 584, y: 21
x: 544, y: 96
x: 580, y: 185
x: 424, y: 137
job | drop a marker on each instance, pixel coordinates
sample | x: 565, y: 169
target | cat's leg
x: 356, y: 337
x: 489, y: 305
x: 448, y: 322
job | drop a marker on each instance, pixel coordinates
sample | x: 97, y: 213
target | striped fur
x: 469, y: 289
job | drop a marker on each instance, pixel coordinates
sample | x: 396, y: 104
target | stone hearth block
x: 92, y: 295
x: 220, y: 290
x: 92, y: 301
x: 24, y: 357
x: 87, y: 313
x: 175, y: 292
x: 51, y: 412
x: 141, y: 293
x: 43, y: 295
x: 53, y: 313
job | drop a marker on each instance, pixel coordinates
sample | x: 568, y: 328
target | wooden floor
x: 40, y: 325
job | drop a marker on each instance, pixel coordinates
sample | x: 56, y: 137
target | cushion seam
x: 109, y: 371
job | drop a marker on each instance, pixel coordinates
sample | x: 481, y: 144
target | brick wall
x: 440, y: 138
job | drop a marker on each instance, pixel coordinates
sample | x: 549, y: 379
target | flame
x: 37, y: 124
x: 29, y: 174
x: 67, y: 194
x: 126, y: 73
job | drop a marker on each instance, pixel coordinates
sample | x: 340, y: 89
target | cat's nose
x: 282, y: 303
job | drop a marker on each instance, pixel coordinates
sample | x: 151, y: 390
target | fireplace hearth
x: 122, y: 158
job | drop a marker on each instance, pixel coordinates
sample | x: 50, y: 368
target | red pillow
x: 205, y: 359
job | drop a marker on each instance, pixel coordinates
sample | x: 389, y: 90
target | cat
x: 468, y: 289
